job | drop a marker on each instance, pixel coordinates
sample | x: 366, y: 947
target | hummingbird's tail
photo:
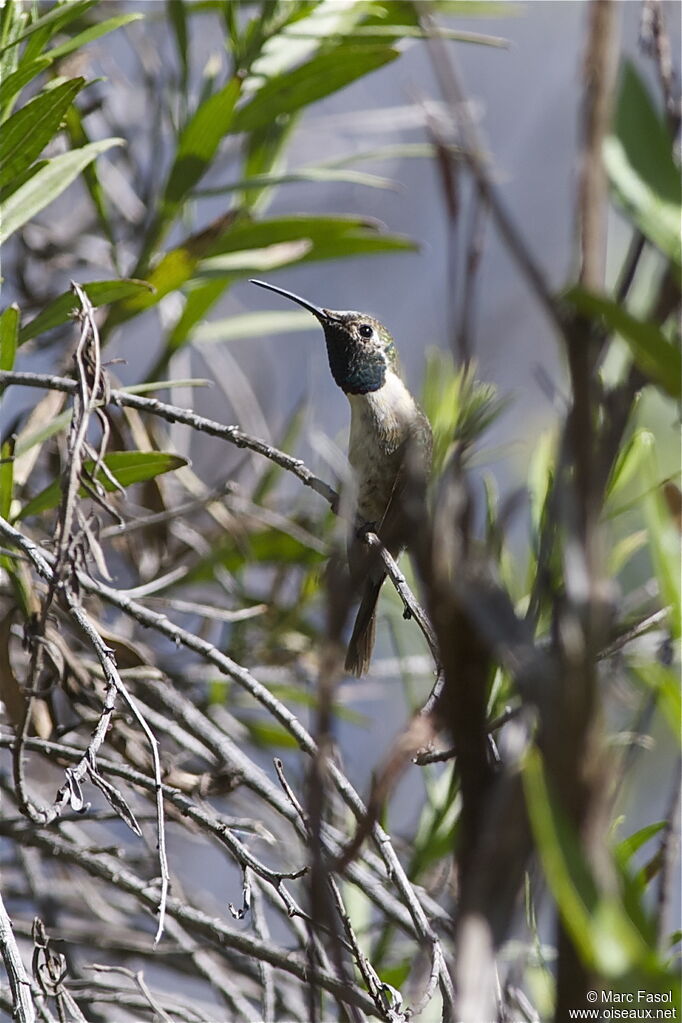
x: 361, y: 642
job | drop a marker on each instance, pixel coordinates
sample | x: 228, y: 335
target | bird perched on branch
x: 390, y: 439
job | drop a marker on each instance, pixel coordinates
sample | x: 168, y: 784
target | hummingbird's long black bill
x: 316, y: 310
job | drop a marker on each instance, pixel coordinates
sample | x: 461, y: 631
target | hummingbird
x: 389, y: 437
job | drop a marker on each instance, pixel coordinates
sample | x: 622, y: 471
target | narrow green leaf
x: 177, y: 16
x: 61, y: 421
x: 26, y: 133
x: 9, y: 335
x: 236, y: 328
x: 313, y: 174
x: 43, y: 433
x: 639, y: 161
x: 605, y: 937
x: 6, y: 479
x: 324, y: 74
x: 175, y: 268
x: 478, y: 8
x: 45, y: 186
x: 651, y: 350
x: 664, y: 682
x: 165, y: 385
x: 248, y: 261
x: 397, y: 151
x: 638, y: 450
x: 21, y: 180
x: 198, y: 143
x: 630, y: 845
x: 199, y: 300
x: 272, y: 472
x: 268, y: 547
x: 11, y: 86
x: 664, y: 544
x: 89, y: 35
x: 54, y: 21
x: 331, y: 237
x: 127, y: 467
x: 398, y: 32
x: 99, y: 292
x: 6, y: 495
x: 622, y: 551
x: 79, y: 137
x: 269, y: 735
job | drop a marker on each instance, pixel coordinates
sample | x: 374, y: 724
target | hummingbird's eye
x: 365, y: 330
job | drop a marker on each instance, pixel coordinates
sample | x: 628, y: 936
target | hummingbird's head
x: 360, y: 349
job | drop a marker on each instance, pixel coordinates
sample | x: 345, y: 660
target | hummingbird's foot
x: 407, y: 614
x: 364, y: 528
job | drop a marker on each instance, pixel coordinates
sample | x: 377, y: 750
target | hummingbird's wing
x: 366, y: 567
x: 395, y: 524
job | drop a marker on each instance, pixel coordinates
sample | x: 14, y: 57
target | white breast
x: 380, y: 422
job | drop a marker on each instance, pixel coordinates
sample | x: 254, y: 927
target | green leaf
x: 630, y: 845
x: 89, y: 35
x: 6, y: 479
x: 253, y: 325
x: 331, y: 237
x: 199, y: 300
x: 286, y: 442
x: 249, y: 261
x: 638, y: 450
x: 624, y: 549
x: 60, y: 310
x: 9, y: 334
x: 198, y: 143
x: 54, y: 21
x: 312, y: 174
x: 656, y: 356
x: 11, y: 86
x: 26, y: 133
x: 17, y: 183
x: 604, y: 936
x: 324, y: 74
x: 61, y: 421
x: 398, y: 32
x: 174, y: 269
x: 127, y: 467
x: 397, y: 151
x: 45, y: 186
x: 639, y: 161
x: 43, y: 433
x: 177, y: 16
x: 267, y: 547
x: 664, y: 544
x: 255, y: 244
x: 478, y: 8
x: 79, y: 137
x: 665, y: 684
x: 269, y: 735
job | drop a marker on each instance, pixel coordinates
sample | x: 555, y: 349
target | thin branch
x: 413, y: 608
x: 598, y: 74
x: 175, y: 414
x: 70, y: 791
x: 19, y: 982
x: 108, y: 868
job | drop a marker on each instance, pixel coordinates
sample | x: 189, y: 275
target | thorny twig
x: 70, y: 792
x: 19, y: 982
x: 162, y: 624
